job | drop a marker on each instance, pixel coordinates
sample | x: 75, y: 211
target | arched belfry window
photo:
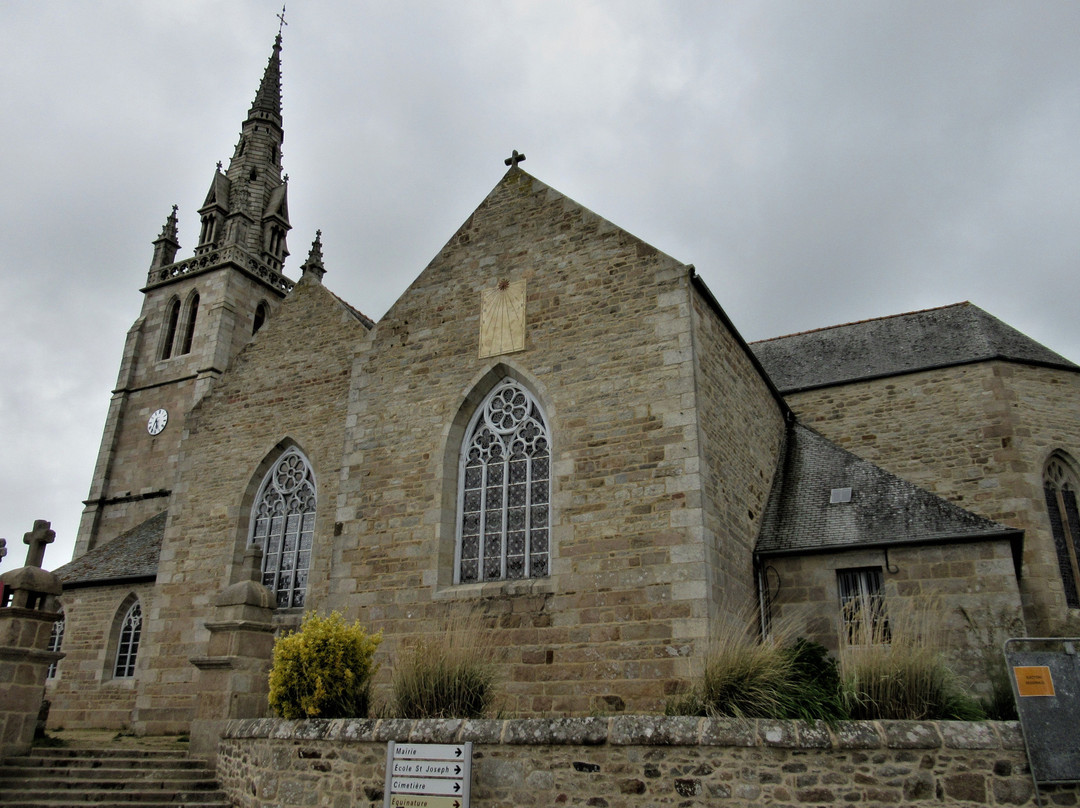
x: 283, y: 523
x: 127, y: 649
x: 189, y: 325
x: 504, y: 493
x: 260, y: 317
x: 172, y: 319
x: 1060, y: 486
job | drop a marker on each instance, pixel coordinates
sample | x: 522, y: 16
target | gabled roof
x: 132, y: 556
x: 905, y: 343
x: 883, y: 509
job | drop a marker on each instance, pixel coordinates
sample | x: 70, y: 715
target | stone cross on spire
x: 37, y: 539
x: 514, y: 159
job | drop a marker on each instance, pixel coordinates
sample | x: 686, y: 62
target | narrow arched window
x: 56, y: 640
x: 504, y: 493
x: 127, y: 649
x: 260, y: 318
x: 1060, y: 486
x: 189, y: 326
x: 172, y: 318
x: 283, y: 524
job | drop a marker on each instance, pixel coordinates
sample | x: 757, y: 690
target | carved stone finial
x: 37, y: 539
x: 219, y: 166
x: 3, y: 548
x: 514, y: 159
x: 314, y: 262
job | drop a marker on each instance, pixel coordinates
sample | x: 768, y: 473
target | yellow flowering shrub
x: 323, y: 670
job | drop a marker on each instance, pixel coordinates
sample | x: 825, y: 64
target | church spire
x: 267, y: 103
x: 166, y: 244
x: 247, y: 205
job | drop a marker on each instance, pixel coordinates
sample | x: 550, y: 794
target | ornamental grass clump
x: 894, y: 668
x: 323, y: 670
x: 746, y: 677
x: 450, y: 674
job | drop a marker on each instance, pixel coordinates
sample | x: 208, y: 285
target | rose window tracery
x: 283, y: 524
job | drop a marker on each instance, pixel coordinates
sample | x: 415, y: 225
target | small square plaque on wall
x: 502, y: 319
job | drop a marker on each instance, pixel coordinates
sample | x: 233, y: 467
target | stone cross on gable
x: 37, y: 539
x: 514, y: 159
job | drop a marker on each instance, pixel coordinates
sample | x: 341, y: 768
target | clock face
x: 157, y: 421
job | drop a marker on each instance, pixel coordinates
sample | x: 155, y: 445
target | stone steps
x: 108, y: 778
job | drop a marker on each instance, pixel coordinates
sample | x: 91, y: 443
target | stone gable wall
x: 289, y: 385
x: 977, y: 435
x: 643, y: 761
x: 609, y: 356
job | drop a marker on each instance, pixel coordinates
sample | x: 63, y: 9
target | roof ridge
x: 866, y: 320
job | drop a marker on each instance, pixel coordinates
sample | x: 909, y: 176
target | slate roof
x: 130, y: 556
x: 884, y: 509
x: 952, y: 335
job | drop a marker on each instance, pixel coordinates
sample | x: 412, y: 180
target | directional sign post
x: 428, y: 775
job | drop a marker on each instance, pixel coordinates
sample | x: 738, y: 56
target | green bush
x: 323, y: 670
x: 449, y: 675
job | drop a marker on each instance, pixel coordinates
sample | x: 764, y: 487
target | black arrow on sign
x: 457, y: 752
x: 457, y: 770
x: 457, y: 786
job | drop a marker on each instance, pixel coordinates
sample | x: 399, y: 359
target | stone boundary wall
x: 641, y: 761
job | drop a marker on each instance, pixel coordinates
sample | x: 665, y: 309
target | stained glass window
x: 128, y: 647
x: 504, y: 500
x: 1059, y: 488
x: 56, y: 639
x: 283, y: 524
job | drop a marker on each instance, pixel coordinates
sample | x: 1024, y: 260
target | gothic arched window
x: 260, y: 317
x: 1060, y: 486
x: 127, y: 649
x: 189, y: 326
x: 504, y: 493
x: 56, y: 639
x: 283, y: 523
x: 172, y: 319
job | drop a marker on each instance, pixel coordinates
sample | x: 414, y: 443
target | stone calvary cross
x: 37, y: 539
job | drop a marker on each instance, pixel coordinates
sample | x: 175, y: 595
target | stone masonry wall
x: 945, y: 581
x: 741, y: 427
x: 978, y: 435
x: 84, y: 694
x: 289, y: 386
x: 642, y: 761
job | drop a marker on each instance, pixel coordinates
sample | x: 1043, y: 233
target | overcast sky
x: 819, y: 162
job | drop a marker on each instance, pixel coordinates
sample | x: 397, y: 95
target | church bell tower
x: 197, y: 313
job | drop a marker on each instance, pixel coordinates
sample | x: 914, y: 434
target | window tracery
x: 283, y: 524
x: 128, y: 648
x: 1059, y: 487
x: 504, y: 499
x: 56, y: 640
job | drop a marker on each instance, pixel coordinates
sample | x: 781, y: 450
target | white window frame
x: 861, y: 591
x: 127, y: 646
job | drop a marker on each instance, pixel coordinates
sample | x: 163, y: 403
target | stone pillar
x: 26, y: 621
x: 233, y: 676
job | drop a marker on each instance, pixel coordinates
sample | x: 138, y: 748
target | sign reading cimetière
x: 428, y: 775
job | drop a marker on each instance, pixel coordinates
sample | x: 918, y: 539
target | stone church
x: 557, y: 427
